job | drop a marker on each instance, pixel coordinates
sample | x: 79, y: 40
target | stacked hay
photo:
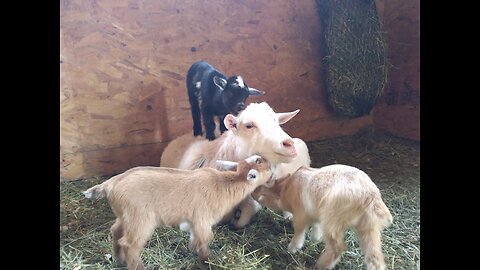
x: 355, y: 61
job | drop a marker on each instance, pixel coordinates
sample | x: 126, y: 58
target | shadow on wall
x: 145, y: 130
x: 162, y: 123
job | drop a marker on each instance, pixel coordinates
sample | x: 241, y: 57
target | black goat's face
x: 234, y: 95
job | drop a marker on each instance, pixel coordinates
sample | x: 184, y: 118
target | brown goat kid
x: 332, y: 199
x: 144, y: 198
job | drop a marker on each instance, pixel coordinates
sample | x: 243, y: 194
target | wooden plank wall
x: 123, y: 68
x: 398, y: 110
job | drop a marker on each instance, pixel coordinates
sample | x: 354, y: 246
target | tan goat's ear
x: 279, y: 180
x: 254, y: 159
x: 286, y: 116
x: 225, y: 165
x: 276, y: 189
x: 230, y: 122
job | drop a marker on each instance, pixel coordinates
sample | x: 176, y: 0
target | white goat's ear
x: 255, y: 92
x: 252, y: 175
x: 220, y: 82
x: 230, y: 122
x: 225, y: 165
x: 286, y: 116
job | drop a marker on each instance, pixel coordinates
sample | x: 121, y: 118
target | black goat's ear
x: 255, y: 92
x: 220, y: 82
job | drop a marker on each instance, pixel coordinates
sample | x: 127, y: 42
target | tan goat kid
x: 332, y: 199
x: 144, y: 198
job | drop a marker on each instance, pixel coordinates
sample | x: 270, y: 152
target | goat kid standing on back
x: 211, y: 93
x: 332, y: 199
x: 144, y: 198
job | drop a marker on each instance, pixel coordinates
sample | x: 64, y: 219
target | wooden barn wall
x: 398, y: 110
x: 124, y: 63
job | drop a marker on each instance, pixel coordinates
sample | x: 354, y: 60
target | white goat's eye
x: 258, y: 161
x: 249, y: 125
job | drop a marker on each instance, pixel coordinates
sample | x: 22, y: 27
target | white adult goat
x: 256, y: 131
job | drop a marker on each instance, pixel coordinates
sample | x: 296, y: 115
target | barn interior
x: 123, y: 98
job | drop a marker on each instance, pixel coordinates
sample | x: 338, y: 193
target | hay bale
x: 355, y: 64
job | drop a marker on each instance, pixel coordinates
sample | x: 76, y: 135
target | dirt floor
x: 392, y: 163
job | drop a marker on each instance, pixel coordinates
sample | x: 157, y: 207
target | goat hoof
x: 287, y: 215
x: 204, y: 258
x: 237, y: 214
x: 319, y: 267
x: 292, y: 248
x: 238, y: 227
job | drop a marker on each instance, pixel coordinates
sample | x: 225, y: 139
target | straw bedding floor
x: 392, y: 163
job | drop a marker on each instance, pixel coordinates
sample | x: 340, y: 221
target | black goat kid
x: 211, y: 94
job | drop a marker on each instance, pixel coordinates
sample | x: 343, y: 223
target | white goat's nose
x: 288, y: 143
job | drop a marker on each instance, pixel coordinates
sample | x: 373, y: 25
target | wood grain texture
x: 124, y: 63
x: 398, y: 110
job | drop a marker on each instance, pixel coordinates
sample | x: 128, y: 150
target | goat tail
x: 99, y: 191
x: 380, y: 210
x: 376, y: 216
x: 95, y: 192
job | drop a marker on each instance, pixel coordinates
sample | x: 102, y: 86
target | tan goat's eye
x: 259, y: 160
